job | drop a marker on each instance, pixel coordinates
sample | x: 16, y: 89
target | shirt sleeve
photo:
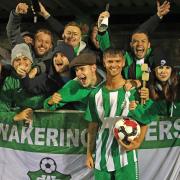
x: 150, y: 25
x: 71, y: 92
x: 104, y: 41
x: 13, y: 29
x: 145, y: 113
x: 91, y: 114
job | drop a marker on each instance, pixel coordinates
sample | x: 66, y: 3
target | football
x: 126, y: 129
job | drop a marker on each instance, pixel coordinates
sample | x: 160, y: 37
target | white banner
x: 159, y: 164
x: 54, y: 149
x: 19, y: 165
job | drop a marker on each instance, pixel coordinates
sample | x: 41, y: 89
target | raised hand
x: 163, y: 9
x: 22, y: 8
x: 43, y: 12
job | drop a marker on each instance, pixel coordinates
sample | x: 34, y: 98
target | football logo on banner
x: 47, y: 171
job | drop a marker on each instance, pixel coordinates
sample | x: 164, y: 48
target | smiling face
x: 72, y: 35
x: 139, y: 45
x: 42, y: 43
x: 86, y: 75
x: 163, y: 73
x: 113, y: 64
x: 61, y: 62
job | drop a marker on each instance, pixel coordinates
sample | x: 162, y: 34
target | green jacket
x: 74, y: 92
x: 104, y: 41
x: 14, y: 99
x: 133, y: 70
x: 151, y: 110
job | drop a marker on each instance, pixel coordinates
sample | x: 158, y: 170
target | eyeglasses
x: 71, y: 34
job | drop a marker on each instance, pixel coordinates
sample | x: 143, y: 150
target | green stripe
x: 163, y: 133
x: 105, y: 136
x: 121, y: 96
x: 68, y: 126
x: 106, y: 102
x: 160, y: 144
x: 115, y: 154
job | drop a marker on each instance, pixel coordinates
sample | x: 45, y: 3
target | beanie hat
x: 86, y: 58
x: 65, y: 49
x: 160, y: 58
x: 21, y: 50
x: 27, y: 33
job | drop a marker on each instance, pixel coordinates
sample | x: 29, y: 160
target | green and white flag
x: 54, y: 148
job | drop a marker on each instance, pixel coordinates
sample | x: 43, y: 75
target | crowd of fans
x: 55, y: 75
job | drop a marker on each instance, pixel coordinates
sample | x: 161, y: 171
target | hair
x: 112, y: 52
x: 167, y: 90
x: 73, y: 23
x: 46, y: 31
x: 140, y: 32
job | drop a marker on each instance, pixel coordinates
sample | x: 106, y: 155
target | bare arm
x: 92, y: 130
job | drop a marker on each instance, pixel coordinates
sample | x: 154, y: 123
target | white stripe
x: 109, y: 159
x: 134, y: 154
x: 123, y: 157
x: 113, y: 103
x: 137, y: 171
x: 100, y: 111
x: 98, y: 151
x: 108, y: 155
x: 99, y: 104
x: 126, y: 104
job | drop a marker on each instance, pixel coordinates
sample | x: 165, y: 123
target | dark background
x: 126, y: 15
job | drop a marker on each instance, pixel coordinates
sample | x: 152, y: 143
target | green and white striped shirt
x: 104, y: 107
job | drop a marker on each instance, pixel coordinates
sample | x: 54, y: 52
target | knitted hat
x: 86, y: 58
x: 27, y: 33
x: 65, y: 49
x: 160, y: 58
x: 21, y: 50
